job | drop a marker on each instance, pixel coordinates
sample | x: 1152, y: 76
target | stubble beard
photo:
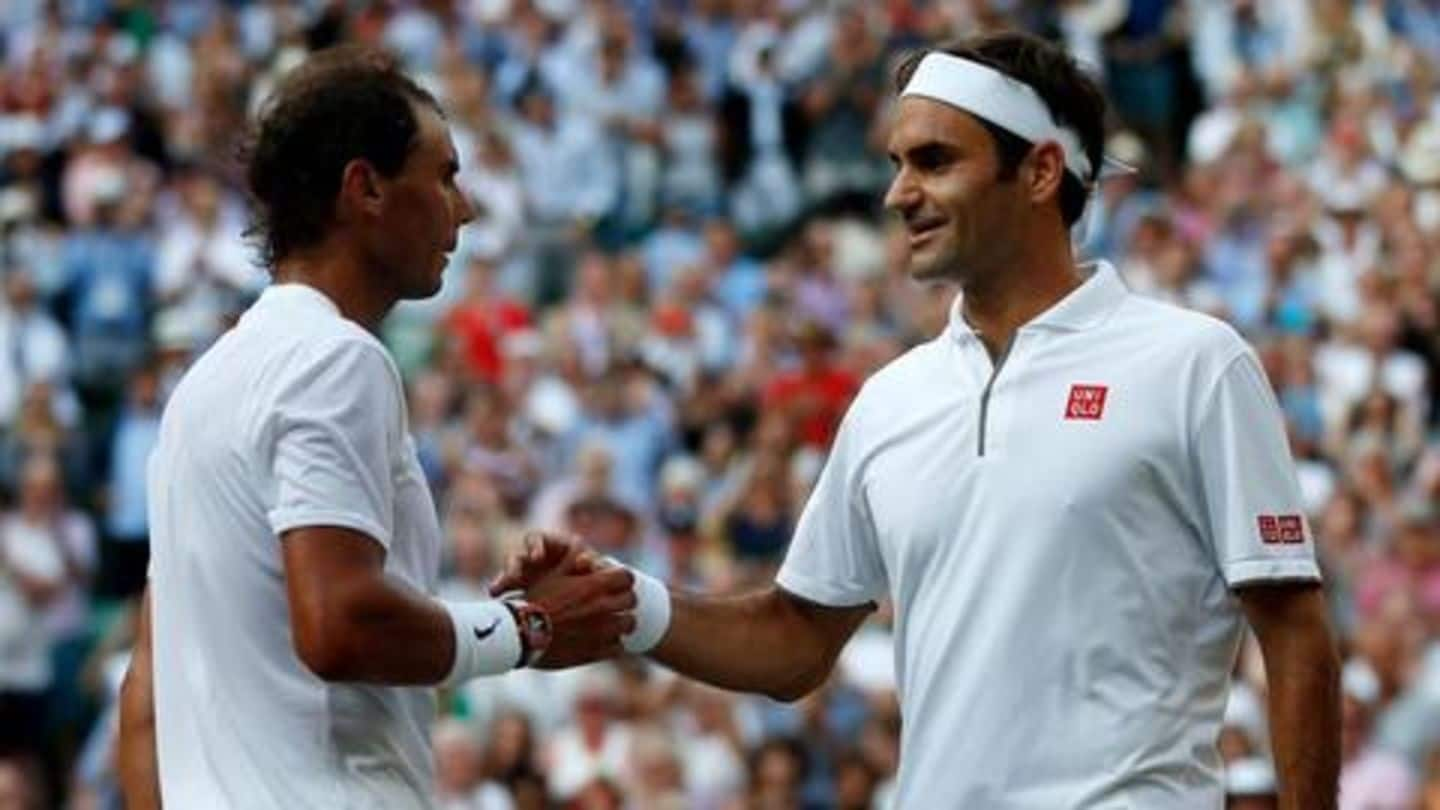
x: 946, y: 265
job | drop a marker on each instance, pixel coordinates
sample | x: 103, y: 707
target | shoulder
x: 321, y: 359
x: 346, y: 357
x: 898, y: 381
x: 1185, y: 332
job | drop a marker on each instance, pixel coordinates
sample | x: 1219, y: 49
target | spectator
x: 814, y: 395
x: 47, y: 560
x: 22, y: 787
x: 482, y: 321
x: 1370, y: 777
x: 596, y: 746
x: 127, y: 524
x: 489, y: 446
x: 571, y: 180
x: 458, y: 774
x: 689, y: 135
x: 204, y: 273
x: 35, y: 347
x: 777, y: 770
x: 108, y: 278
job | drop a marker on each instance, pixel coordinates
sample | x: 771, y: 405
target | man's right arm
x: 352, y: 622
x: 772, y: 642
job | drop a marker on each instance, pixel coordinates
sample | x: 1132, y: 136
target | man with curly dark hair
x: 289, y: 642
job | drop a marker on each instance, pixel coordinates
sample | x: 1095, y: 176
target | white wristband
x: 652, y: 614
x: 487, y: 642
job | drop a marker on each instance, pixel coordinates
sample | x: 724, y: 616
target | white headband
x: 1002, y: 100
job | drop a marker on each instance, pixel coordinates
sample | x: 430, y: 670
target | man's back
x: 240, y: 721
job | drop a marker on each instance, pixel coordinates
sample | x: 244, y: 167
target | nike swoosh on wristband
x: 481, y: 635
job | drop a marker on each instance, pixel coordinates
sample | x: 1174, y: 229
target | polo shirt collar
x: 1084, y: 307
x: 301, y: 296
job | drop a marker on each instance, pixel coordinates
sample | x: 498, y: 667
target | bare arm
x: 352, y: 622
x: 139, y: 772
x: 771, y: 642
x: 1302, y: 669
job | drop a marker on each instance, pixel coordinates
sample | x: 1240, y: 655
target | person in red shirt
x: 479, y: 324
x: 816, y: 394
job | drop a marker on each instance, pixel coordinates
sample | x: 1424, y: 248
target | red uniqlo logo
x: 1281, y: 528
x: 1292, y: 530
x: 1086, y: 402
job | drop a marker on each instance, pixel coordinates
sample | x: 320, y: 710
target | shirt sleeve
x: 1249, y: 493
x: 834, y: 558
x: 336, y: 421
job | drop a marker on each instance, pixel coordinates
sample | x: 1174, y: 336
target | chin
x: 420, y: 288
x: 939, y: 267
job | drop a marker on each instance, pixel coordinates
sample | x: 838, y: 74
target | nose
x: 902, y: 195
x: 465, y: 210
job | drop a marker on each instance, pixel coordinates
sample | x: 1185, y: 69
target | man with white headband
x: 1076, y: 497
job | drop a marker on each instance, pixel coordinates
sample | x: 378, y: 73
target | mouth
x: 921, y: 231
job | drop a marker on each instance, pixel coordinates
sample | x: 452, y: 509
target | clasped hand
x: 589, y: 601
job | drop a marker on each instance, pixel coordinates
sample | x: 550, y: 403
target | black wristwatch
x: 533, y: 626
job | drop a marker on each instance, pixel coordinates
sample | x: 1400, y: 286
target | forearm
x: 139, y: 771
x: 1303, y: 676
x: 763, y: 642
x: 390, y: 634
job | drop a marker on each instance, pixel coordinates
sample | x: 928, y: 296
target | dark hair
x: 346, y: 103
x: 1072, y: 95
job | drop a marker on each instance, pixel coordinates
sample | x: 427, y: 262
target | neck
x: 343, y: 277
x: 1032, y: 281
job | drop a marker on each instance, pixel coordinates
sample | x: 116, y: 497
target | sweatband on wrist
x: 487, y: 642
x: 652, y: 614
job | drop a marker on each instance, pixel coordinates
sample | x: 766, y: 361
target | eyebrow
x: 932, y: 149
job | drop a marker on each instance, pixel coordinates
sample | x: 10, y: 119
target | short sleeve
x: 336, y: 421
x: 834, y: 558
x: 1249, y: 493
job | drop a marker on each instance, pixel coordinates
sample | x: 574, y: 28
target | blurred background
x: 678, y: 278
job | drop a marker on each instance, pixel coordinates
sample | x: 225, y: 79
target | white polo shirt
x: 295, y: 417
x: 1065, y: 624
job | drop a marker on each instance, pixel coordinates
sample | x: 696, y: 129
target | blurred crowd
x: 678, y: 278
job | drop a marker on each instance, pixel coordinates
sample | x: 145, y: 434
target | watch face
x: 536, y: 626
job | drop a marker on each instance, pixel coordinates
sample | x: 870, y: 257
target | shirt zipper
x: 985, y: 395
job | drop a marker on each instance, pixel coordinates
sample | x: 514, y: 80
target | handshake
x: 573, y: 606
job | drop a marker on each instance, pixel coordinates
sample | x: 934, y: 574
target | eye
x: 932, y: 158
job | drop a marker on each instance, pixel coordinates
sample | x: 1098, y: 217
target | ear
x: 1043, y: 171
x: 361, y: 191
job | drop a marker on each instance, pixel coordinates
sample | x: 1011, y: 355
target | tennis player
x: 1076, y: 497
x: 290, y: 646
